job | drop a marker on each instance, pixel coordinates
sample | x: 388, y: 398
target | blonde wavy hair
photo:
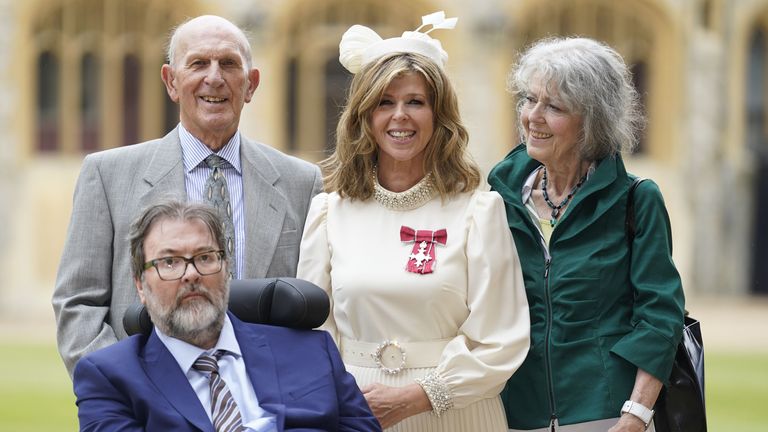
x: 348, y: 170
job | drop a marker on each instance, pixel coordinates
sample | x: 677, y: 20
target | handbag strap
x: 629, y: 226
x: 629, y: 223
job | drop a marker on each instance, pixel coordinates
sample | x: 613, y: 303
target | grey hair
x: 171, y: 210
x: 173, y: 41
x: 593, y: 81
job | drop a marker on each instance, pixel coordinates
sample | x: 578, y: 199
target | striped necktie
x: 217, y: 194
x: 224, y: 412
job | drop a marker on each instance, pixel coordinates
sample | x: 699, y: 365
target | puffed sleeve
x: 657, y: 316
x: 494, y: 339
x: 315, y: 255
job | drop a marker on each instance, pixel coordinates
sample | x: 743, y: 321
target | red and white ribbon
x: 422, y: 257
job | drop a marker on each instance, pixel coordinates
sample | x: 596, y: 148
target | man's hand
x: 391, y: 405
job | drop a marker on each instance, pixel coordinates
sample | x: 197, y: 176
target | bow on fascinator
x: 360, y: 45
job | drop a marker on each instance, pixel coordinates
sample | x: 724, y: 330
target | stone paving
x: 738, y: 325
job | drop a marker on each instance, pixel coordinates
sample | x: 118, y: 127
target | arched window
x: 98, y: 95
x: 90, y: 109
x: 706, y: 12
x: 336, y: 82
x: 640, y: 80
x: 47, y: 102
x: 292, y: 95
x: 315, y: 82
x: 757, y: 144
x: 131, y: 99
x: 170, y: 111
x: 618, y: 26
x: 756, y: 93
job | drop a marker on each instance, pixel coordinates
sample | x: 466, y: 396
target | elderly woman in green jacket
x: 606, y: 314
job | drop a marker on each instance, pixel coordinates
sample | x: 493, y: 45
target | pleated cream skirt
x: 486, y: 415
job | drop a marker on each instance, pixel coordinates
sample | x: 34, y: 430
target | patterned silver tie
x: 224, y: 412
x: 217, y: 194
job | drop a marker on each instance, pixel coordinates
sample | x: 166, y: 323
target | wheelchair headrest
x: 286, y: 302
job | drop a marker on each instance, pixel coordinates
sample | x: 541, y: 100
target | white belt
x: 392, y: 356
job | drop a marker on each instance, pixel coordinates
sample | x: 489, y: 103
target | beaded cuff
x: 438, y: 393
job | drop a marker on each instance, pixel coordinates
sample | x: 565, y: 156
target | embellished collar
x: 415, y: 197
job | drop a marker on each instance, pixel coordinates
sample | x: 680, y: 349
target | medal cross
x: 421, y: 256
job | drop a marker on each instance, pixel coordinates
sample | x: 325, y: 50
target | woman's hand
x: 391, y: 405
x: 628, y: 423
x: 645, y: 392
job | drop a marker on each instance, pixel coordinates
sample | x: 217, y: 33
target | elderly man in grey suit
x: 267, y: 194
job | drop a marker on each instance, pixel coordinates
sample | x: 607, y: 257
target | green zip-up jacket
x: 598, y: 312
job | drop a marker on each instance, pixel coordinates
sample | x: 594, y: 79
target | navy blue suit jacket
x: 298, y: 375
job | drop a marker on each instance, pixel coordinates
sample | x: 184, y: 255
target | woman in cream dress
x: 427, y: 300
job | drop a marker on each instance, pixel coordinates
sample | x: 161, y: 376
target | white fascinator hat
x: 360, y: 45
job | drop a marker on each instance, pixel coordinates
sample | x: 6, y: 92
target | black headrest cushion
x: 287, y: 302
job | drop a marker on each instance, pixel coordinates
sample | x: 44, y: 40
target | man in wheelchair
x: 202, y: 368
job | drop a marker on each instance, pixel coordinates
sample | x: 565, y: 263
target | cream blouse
x: 474, y: 297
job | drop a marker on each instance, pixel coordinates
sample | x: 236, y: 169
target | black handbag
x: 680, y: 405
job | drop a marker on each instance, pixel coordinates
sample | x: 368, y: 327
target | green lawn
x: 36, y: 393
x: 736, y: 391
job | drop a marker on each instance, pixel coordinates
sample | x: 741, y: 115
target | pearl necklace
x: 410, y: 199
x: 563, y: 203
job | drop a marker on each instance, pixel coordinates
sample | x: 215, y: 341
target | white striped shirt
x: 232, y: 370
x: 196, y: 172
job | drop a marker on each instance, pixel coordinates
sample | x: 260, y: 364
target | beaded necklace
x: 410, y: 199
x: 556, y: 208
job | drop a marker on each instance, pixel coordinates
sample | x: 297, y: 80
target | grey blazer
x: 94, y: 285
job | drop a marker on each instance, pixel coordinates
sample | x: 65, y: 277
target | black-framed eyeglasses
x: 173, y: 267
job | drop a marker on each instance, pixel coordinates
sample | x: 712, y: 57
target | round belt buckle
x: 389, y: 350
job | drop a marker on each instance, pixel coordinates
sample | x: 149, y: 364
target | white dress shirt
x: 196, y: 172
x: 232, y: 371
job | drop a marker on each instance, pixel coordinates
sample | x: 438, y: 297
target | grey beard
x: 198, y: 322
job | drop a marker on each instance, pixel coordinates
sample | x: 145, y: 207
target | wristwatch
x: 639, y: 411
